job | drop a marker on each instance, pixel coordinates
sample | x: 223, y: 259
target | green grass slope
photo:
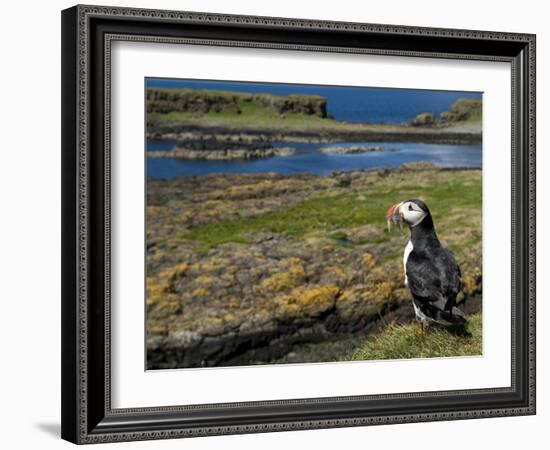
x: 406, y: 341
x: 464, y: 110
x: 452, y: 196
x: 235, y: 109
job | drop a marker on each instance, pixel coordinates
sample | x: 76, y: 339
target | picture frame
x: 87, y: 35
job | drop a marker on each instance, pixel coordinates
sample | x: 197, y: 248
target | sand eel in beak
x: 431, y: 272
x: 393, y: 216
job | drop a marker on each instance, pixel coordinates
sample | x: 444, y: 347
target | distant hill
x: 464, y: 110
x: 222, y: 103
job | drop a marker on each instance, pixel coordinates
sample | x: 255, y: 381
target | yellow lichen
x: 199, y: 292
x: 209, y: 265
x: 233, y: 302
x: 311, y: 301
x: 383, y: 290
x: 471, y: 282
x: 156, y: 211
x: 155, y: 290
x: 401, y: 293
x: 248, y: 189
x: 335, y: 274
x: 368, y: 260
x: 228, y: 317
x: 284, y: 280
x: 293, y: 277
x: 204, y: 280
x: 176, y: 272
x: 156, y: 328
x: 293, y: 261
x: 335, y: 271
x: 161, y: 289
x: 366, y: 299
x: 213, y: 325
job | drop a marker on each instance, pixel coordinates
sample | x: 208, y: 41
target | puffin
x: 431, y: 272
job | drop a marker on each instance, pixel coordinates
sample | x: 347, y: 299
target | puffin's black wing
x: 433, y: 277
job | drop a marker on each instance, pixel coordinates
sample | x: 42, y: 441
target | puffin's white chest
x: 406, y: 253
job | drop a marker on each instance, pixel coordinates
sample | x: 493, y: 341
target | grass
x: 239, y: 109
x: 251, y: 116
x: 471, y: 108
x: 475, y: 117
x: 329, y: 213
x: 405, y: 342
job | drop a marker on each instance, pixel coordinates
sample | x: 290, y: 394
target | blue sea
x: 352, y: 104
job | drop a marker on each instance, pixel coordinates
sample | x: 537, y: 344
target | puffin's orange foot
x: 423, y: 330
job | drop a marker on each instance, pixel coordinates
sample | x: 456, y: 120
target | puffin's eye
x: 410, y: 207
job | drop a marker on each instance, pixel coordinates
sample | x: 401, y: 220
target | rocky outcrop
x: 197, y: 102
x: 426, y: 119
x: 464, y: 109
x: 247, y: 291
x: 223, y: 154
x: 222, y: 148
x: 335, y: 132
x: 341, y: 150
x: 243, y: 303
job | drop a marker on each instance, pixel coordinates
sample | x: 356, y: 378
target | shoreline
x: 333, y: 132
x: 416, y: 166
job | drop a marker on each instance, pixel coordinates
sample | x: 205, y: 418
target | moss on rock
x: 311, y: 301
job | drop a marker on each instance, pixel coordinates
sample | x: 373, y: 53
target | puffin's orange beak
x: 391, y: 212
x: 393, y: 215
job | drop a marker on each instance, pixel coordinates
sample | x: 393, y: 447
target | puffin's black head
x: 412, y: 212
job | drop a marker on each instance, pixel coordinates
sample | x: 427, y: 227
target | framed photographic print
x: 267, y: 222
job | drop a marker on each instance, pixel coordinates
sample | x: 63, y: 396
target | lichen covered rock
x: 255, y: 296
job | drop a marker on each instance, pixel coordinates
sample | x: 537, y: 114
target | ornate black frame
x: 87, y: 32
